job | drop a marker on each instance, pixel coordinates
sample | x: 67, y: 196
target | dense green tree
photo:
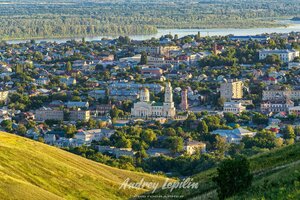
x: 144, y: 58
x: 233, y: 176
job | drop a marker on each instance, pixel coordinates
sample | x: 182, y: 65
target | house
x: 93, y: 135
x: 250, y: 37
x: 97, y: 94
x: 235, y: 135
x: 116, y: 151
x: 49, y: 139
x: 104, y: 109
x: 42, y: 81
x: 77, y: 104
x: 156, y: 152
x: 191, y: 147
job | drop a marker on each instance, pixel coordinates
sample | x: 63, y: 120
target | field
x: 32, y: 170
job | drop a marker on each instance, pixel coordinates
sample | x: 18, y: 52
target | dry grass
x: 32, y: 170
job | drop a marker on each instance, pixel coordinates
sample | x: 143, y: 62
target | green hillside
x: 276, y: 176
x: 32, y: 170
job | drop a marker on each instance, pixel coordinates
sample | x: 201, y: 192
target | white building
x: 233, y: 107
x: 235, y: 135
x: 95, y: 134
x: 144, y: 108
x: 285, y: 55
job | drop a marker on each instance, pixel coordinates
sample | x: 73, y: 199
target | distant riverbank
x: 287, y: 26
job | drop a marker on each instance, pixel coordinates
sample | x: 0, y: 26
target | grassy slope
x: 32, y: 170
x: 276, y: 176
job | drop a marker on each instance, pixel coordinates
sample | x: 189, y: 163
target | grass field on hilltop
x: 32, y: 170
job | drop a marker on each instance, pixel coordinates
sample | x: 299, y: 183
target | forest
x: 21, y: 19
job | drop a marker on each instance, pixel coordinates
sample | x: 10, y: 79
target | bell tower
x: 168, y: 93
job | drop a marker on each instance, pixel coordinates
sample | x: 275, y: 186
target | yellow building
x: 232, y: 89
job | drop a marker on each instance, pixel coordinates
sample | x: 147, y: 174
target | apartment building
x: 80, y: 115
x: 280, y: 94
x: 49, y: 114
x: 285, y: 55
x: 232, y: 89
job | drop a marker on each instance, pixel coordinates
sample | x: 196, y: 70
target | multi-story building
x: 162, y: 50
x: 80, y: 115
x: 232, y: 89
x: 162, y: 61
x: 49, y: 114
x: 104, y: 109
x: 151, y: 72
x: 233, y: 107
x: 294, y: 110
x: 276, y: 94
x: 285, y: 55
x: 279, y: 105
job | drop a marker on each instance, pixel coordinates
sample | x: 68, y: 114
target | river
x: 288, y: 26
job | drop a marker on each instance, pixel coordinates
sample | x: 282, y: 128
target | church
x: 145, y: 108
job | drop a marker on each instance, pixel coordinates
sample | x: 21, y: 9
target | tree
x: 21, y: 130
x: 202, y: 127
x: 7, y: 125
x: 230, y: 117
x: 233, y: 176
x: 148, y: 136
x: 169, y: 131
x: 221, y: 102
x: 220, y: 145
x: 70, y: 130
x: 175, y: 144
x: 144, y: 58
x: 288, y: 132
x: 69, y: 66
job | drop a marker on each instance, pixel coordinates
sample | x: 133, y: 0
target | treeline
x: 76, y: 18
x: 58, y: 27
